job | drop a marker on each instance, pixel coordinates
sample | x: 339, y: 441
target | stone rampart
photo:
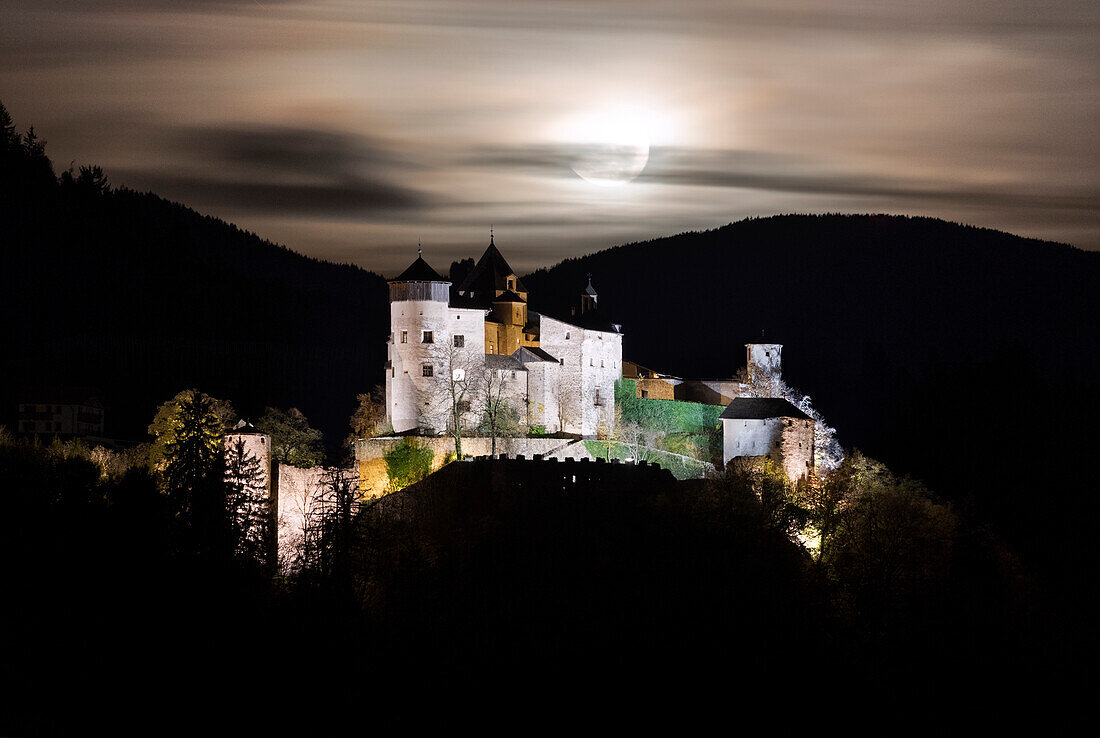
x: 370, y: 453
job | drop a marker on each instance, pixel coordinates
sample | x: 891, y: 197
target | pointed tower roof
x: 590, y: 290
x: 489, y: 275
x: 419, y: 271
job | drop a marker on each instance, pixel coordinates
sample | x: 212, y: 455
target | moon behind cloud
x: 610, y: 165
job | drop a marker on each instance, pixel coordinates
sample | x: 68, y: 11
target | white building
x: 449, y: 346
x: 768, y: 427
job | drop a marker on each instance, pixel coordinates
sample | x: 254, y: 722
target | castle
x: 452, y: 349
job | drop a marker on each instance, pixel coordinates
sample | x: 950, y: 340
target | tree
x: 827, y: 450
x: 498, y: 417
x: 887, y: 544
x: 191, y: 432
x: 769, y: 484
x: 463, y: 372
x: 166, y: 422
x: 327, y: 533
x: 8, y: 135
x: 248, y: 504
x: 293, y: 441
x: 369, y: 416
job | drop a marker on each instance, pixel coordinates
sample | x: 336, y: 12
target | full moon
x: 611, y: 148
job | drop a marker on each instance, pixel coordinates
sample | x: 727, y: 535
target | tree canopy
x: 293, y: 440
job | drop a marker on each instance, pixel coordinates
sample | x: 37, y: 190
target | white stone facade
x: 764, y: 357
x: 787, y: 441
x: 590, y: 362
x: 573, y: 391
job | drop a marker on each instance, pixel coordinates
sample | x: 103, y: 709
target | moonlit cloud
x: 349, y: 130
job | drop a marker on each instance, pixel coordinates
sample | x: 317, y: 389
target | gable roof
x: 759, y: 408
x: 508, y: 296
x: 419, y: 271
x: 490, y: 274
x: 528, y: 354
x: 501, y: 362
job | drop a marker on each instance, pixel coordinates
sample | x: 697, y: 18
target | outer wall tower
x: 418, y: 345
x: 765, y: 358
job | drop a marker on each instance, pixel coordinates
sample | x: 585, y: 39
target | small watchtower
x: 764, y: 358
x: 589, y: 298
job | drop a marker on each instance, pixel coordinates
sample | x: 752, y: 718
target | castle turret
x: 419, y: 337
x: 589, y: 298
x: 761, y: 358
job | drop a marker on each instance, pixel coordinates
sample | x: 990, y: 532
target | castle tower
x: 588, y: 297
x: 418, y: 345
x: 764, y: 358
x: 253, y: 442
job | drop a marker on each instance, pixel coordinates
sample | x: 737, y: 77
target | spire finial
x: 419, y: 251
x: 491, y: 234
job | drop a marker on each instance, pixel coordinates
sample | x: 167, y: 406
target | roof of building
x: 499, y: 361
x: 528, y: 354
x: 244, y: 428
x: 419, y: 271
x: 758, y: 408
x: 590, y: 290
x: 508, y: 296
x: 594, y: 320
x: 489, y: 275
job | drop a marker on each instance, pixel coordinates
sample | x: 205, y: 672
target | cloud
x: 285, y: 171
x: 347, y: 199
x: 782, y: 173
x: 292, y: 150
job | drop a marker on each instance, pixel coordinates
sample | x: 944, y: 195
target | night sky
x: 350, y: 130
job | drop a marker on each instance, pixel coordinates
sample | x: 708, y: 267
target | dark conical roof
x: 590, y: 290
x: 489, y: 275
x: 419, y: 271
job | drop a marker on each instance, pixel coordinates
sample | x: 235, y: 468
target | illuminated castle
x: 553, y: 373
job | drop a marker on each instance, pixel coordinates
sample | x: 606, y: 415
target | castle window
x: 601, y: 363
x: 460, y: 341
x: 567, y: 335
x: 404, y: 336
x: 464, y: 406
x: 645, y: 394
x: 591, y: 362
x: 513, y: 375
x: 511, y: 283
x: 426, y: 337
x: 426, y: 370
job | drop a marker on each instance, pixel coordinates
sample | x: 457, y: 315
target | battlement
x: 500, y: 482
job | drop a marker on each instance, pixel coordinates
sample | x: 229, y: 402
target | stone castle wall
x: 788, y: 442
x: 370, y: 453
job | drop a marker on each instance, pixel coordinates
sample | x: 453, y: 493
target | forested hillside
x: 963, y: 356
x: 135, y: 298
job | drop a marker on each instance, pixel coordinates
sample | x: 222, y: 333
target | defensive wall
x: 498, y: 483
x: 371, y: 463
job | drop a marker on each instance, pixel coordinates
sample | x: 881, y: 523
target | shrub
x: 407, y: 463
x: 690, y: 428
